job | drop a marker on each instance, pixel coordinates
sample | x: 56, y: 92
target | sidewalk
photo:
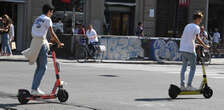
x: 20, y: 58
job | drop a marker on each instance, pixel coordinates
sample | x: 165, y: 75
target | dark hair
x: 47, y: 8
x: 197, y: 15
x: 8, y: 19
x: 139, y: 23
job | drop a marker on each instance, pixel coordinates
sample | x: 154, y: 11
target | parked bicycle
x: 86, y: 52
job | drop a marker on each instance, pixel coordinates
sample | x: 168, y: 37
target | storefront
x: 15, y: 9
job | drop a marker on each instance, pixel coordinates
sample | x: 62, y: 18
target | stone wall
x: 132, y: 47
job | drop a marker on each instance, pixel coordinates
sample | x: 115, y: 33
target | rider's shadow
x: 12, y: 106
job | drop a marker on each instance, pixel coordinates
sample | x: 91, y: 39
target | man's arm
x: 54, y: 36
x: 201, y: 42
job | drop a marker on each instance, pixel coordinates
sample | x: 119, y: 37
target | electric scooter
x: 24, y: 95
x: 204, y: 89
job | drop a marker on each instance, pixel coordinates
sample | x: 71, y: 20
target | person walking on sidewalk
x: 140, y: 30
x: 6, y: 49
x: 187, y: 49
x: 39, y: 47
x: 216, y: 40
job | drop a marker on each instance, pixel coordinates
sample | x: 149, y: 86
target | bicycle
x: 85, y: 52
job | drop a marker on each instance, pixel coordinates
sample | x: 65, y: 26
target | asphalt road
x: 95, y: 86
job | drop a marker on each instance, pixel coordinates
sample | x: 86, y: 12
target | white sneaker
x: 190, y: 88
x: 182, y: 88
x: 37, y: 92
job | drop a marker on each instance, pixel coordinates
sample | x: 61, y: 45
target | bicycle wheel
x: 81, y: 54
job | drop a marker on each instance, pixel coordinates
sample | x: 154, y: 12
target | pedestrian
x: 11, y: 35
x: 140, y: 30
x: 6, y: 49
x: 81, y: 30
x: 39, y: 47
x: 92, y: 38
x: 187, y: 49
x: 216, y: 38
x: 75, y: 29
x: 60, y: 25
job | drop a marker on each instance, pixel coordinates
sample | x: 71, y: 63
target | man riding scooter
x: 187, y: 49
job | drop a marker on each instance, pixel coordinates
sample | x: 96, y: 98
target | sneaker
x: 190, y: 88
x: 37, y: 92
x: 182, y: 88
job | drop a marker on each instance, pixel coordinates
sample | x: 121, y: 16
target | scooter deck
x: 196, y: 92
x: 34, y: 97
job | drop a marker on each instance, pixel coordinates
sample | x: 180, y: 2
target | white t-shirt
x: 216, y: 37
x: 187, y: 43
x: 41, y: 26
x: 90, y: 34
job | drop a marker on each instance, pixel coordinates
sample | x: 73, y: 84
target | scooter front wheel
x: 207, y: 92
x: 62, y: 95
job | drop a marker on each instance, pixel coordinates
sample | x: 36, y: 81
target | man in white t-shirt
x: 39, y: 31
x: 187, y: 49
x: 91, y: 34
x: 92, y: 38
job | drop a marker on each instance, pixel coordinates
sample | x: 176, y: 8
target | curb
x: 107, y: 62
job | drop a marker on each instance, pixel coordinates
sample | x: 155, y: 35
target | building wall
x: 95, y: 14
x: 149, y: 22
x: 198, y: 5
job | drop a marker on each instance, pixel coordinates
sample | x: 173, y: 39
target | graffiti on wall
x: 166, y: 50
x: 122, y: 48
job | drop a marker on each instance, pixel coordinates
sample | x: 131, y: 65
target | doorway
x: 120, y: 24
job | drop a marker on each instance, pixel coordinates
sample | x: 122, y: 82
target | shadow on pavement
x: 108, y: 75
x: 12, y: 106
x: 164, y: 99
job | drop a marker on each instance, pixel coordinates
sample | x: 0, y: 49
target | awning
x: 13, y: 1
x: 120, y: 3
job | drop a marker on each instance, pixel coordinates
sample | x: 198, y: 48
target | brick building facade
x: 120, y: 17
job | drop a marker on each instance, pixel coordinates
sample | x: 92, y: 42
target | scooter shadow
x: 164, y: 99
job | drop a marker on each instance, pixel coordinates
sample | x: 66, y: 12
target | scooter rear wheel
x: 22, y: 96
x: 62, y: 95
x: 207, y: 92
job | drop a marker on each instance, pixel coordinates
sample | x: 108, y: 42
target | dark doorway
x: 11, y: 10
x: 169, y: 17
x: 216, y: 18
x: 119, y: 17
x: 120, y: 23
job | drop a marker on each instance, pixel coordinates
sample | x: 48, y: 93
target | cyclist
x: 92, y: 38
